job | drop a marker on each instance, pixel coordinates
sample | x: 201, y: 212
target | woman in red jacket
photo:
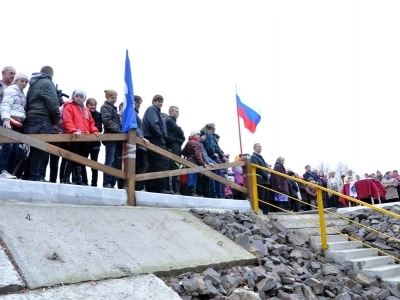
x: 77, y: 120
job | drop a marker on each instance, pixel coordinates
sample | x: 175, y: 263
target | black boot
x: 192, y: 191
x: 67, y: 173
x: 78, y: 175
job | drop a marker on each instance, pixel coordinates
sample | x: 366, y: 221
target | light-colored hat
x: 194, y: 132
x: 79, y: 92
x: 21, y: 75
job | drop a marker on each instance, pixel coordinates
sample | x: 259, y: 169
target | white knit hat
x: 194, y: 132
x: 79, y: 92
x: 21, y: 75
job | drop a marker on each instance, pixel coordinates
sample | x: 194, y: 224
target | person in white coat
x: 12, y: 111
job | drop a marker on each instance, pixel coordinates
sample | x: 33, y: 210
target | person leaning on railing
x: 12, y: 115
x: 280, y: 184
x: 112, y: 124
x: 42, y: 111
x: 263, y: 178
x: 77, y: 120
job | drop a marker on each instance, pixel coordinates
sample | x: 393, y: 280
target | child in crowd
x: 112, y: 124
x: 77, y: 120
x: 93, y: 148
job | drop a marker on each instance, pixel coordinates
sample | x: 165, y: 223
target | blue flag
x: 128, y: 113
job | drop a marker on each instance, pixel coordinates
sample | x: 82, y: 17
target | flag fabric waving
x: 128, y: 113
x: 250, y: 117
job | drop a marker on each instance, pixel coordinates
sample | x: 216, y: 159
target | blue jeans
x: 113, y: 159
x: 35, y: 163
x: 8, y: 154
x: 192, y: 179
x: 216, y: 186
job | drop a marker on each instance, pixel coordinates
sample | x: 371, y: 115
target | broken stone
x: 371, y: 237
x: 330, y: 270
x: 363, y: 280
x: 240, y: 294
x: 296, y: 239
x: 196, y: 285
x: 308, y: 292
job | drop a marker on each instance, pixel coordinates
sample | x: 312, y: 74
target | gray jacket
x: 13, y: 103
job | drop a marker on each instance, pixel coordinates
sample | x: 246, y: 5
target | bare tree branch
x: 323, y: 166
x: 341, y: 168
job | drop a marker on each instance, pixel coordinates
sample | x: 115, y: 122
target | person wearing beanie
x: 77, y: 120
x: 42, y: 111
x: 193, y: 153
x: 154, y: 129
x: 12, y: 110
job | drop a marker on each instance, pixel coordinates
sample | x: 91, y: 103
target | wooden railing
x: 41, y: 141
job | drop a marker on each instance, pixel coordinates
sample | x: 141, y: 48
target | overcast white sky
x: 324, y: 74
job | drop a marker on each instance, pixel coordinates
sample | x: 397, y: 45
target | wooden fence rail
x: 41, y: 141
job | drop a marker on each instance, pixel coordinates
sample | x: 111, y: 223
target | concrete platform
x: 44, y: 192
x: 354, y: 208
x: 144, y: 287
x: 10, y: 281
x: 178, y: 201
x: 59, y: 243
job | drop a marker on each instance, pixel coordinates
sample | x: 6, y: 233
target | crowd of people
x: 283, y: 193
x: 44, y: 111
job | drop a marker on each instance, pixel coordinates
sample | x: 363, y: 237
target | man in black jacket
x: 175, y: 137
x: 42, y: 111
x: 155, y: 131
x: 142, y: 163
x: 262, y: 178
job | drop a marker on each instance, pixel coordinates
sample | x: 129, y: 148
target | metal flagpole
x: 237, y: 111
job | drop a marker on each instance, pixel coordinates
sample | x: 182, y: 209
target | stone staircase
x: 364, y: 260
x: 307, y: 222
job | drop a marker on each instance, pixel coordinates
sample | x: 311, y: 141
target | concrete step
x: 393, y: 281
x: 330, y: 238
x: 294, y: 224
x: 312, y: 231
x: 342, y: 255
x: 290, y: 217
x: 371, y: 262
x: 384, y: 272
x: 337, y: 246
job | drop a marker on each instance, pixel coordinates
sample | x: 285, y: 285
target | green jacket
x: 41, y: 99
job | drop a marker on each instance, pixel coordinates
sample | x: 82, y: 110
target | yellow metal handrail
x: 320, y: 207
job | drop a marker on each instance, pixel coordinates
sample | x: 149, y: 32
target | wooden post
x: 130, y: 166
x: 250, y: 181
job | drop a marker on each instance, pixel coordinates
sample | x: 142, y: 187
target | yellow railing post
x: 321, y: 214
x: 251, y: 183
x: 253, y: 187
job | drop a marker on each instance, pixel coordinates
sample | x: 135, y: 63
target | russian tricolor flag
x: 250, y: 117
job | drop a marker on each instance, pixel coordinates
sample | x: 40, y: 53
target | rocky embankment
x: 286, y: 269
x: 387, y: 229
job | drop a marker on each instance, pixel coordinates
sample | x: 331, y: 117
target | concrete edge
x: 45, y: 192
x: 201, y: 268
x: 178, y: 201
